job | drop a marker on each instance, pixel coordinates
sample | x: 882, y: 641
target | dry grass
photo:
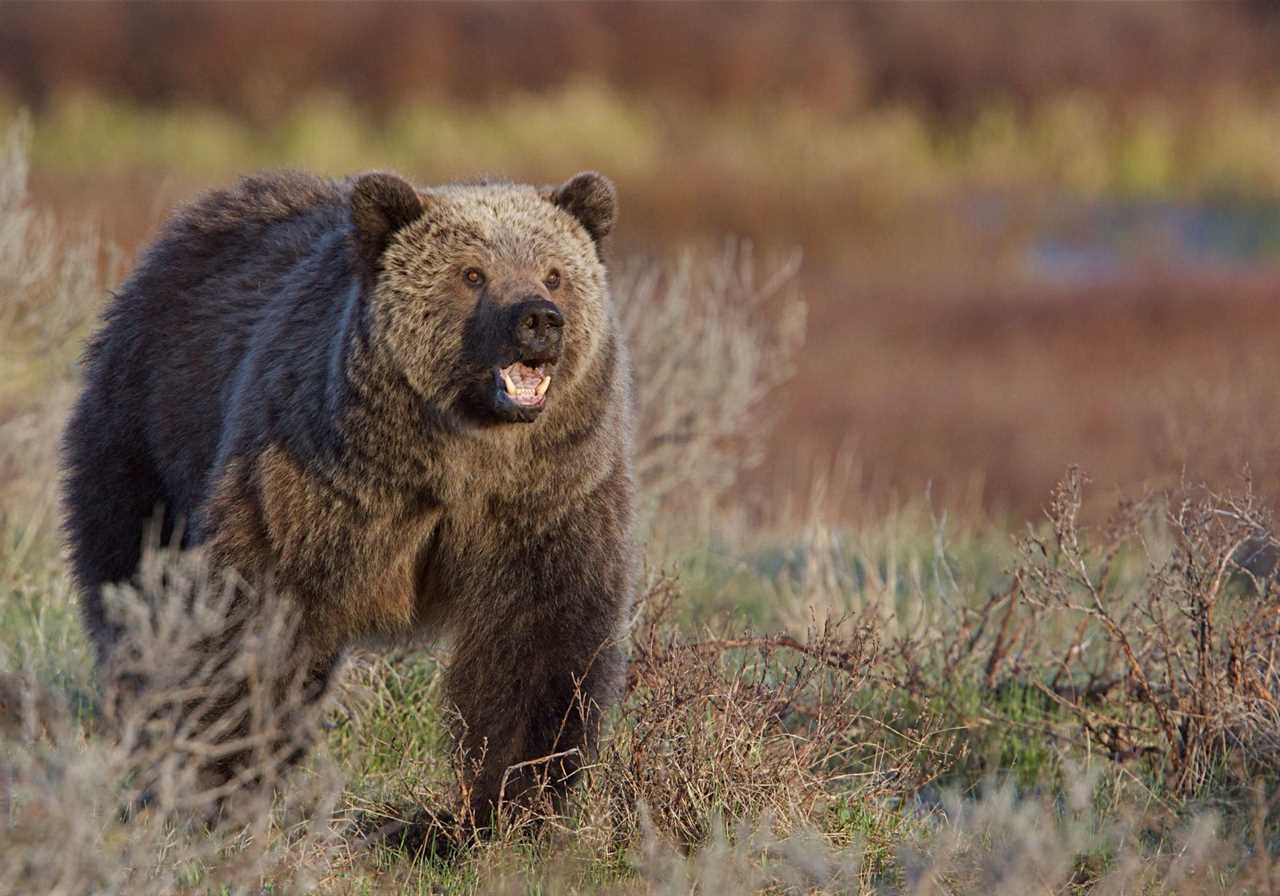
x: 713, y: 338
x: 51, y: 284
x: 116, y: 798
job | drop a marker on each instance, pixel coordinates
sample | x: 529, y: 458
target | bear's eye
x: 553, y: 279
x: 473, y: 276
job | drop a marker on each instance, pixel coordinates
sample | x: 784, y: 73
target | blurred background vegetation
x: 1031, y: 236
x: 1034, y: 235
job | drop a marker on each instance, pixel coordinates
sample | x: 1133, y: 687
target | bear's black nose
x: 537, y: 328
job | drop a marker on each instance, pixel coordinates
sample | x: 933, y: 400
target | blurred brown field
x: 1034, y: 235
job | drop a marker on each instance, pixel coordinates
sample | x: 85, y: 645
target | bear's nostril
x: 543, y: 318
x: 538, y: 319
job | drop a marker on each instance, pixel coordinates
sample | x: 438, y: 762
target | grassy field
x: 820, y: 701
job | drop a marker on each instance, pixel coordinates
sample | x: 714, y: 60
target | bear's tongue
x: 524, y: 384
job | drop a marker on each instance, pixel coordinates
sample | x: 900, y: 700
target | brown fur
x: 300, y: 372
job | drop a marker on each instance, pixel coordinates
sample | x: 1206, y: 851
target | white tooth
x: 542, y: 386
x: 506, y: 380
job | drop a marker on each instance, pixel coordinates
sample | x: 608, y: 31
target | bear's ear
x: 380, y: 205
x: 591, y: 198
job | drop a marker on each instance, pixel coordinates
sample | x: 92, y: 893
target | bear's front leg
x: 537, y: 659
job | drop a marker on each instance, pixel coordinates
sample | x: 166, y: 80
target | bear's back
x: 183, y: 323
x: 258, y: 229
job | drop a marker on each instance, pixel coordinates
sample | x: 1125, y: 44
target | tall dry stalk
x: 51, y: 284
x: 711, y: 337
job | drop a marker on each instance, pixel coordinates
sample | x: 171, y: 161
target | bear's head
x: 491, y: 298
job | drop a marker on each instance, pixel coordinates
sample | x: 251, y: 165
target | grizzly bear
x: 406, y: 410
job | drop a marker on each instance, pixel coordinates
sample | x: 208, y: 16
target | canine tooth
x: 542, y: 386
x: 506, y: 380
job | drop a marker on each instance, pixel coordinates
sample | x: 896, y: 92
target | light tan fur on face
x: 507, y: 231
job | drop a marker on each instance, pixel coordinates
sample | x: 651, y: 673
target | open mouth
x: 523, y: 385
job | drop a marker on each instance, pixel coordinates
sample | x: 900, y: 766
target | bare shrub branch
x: 710, y: 337
x: 203, y: 681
